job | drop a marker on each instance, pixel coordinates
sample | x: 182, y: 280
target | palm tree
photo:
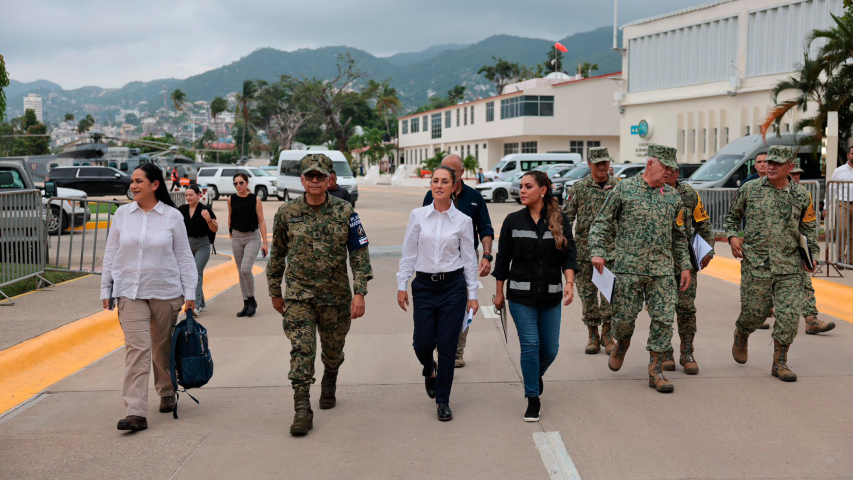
x: 69, y: 117
x: 250, y: 89
x: 387, y: 99
x: 217, y: 106
x: 179, y: 98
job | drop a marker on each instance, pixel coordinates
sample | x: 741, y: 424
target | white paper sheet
x: 701, y: 247
x: 468, y: 319
x: 604, y: 282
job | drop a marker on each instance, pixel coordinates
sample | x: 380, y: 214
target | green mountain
x: 416, y: 75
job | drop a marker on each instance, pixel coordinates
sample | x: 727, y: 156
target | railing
x: 23, y: 238
x: 839, y: 223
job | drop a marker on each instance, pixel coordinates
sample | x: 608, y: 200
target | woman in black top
x: 248, y: 232
x: 201, y: 227
x: 535, y: 251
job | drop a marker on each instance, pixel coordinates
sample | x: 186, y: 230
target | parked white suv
x: 220, y: 180
x: 290, y: 170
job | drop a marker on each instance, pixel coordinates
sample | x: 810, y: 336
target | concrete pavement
x: 729, y: 421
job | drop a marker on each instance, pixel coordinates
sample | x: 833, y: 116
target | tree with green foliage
x: 241, y: 135
x: 387, y: 100
x: 586, y: 69
x: 501, y: 73
x: 205, y: 139
x: 456, y: 94
x: 24, y: 136
x: 69, y: 117
x: 217, y: 106
x: 244, y: 101
x: 85, y: 124
x: 4, y: 82
x: 179, y: 99
x: 434, y: 162
x: 131, y: 119
x: 553, y: 61
x: 470, y: 164
x: 435, y: 102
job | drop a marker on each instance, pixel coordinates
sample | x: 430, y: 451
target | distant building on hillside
x: 33, y: 102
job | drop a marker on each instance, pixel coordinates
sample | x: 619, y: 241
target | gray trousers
x: 201, y: 252
x: 246, y: 247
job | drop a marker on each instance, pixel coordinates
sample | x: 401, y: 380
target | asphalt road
x: 730, y: 421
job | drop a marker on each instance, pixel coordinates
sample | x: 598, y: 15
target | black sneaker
x: 541, y: 386
x: 532, y: 413
x: 444, y: 413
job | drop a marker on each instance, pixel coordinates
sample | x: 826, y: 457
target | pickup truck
x: 63, y: 214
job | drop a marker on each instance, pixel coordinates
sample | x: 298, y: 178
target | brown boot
x: 687, y: 360
x: 303, y: 419
x: 668, y: 361
x: 656, y: 378
x: 740, y: 347
x: 607, y: 338
x: 592, y: 346
x: 167, y: 404
x: 780, y: 360
x: 815, y: 326
x: 133, y: 422
x: 327, y: 389
x: 617, y: 356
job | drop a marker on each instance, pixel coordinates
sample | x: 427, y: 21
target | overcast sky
x: 110, y: 43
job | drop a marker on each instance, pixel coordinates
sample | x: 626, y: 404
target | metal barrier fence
x: 23, y: 238
x: 839, y: 223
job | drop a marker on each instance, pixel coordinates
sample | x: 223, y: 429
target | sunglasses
x: 320, y: 177
x: 239, y: 183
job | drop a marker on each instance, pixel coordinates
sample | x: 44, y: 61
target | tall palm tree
x: 387, y: 99
x: 243, y: 99
x: 179, y: 98
x: 217, y: 106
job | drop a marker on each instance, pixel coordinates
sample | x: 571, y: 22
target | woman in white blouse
x: 149, y: 268
x: 439, y: 249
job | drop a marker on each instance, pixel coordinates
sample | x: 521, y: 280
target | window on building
x: 484, y: 146
x: 457, y: 117
x: 787, y: 127
x: 448, y: 119
x: 436, y: 125
x: 693, y: 141
x: 511, y: 107
x: 529, y: 147
x: 465, y: 115
x: 405, y: 127
x: 426, y: 119
x: 727, y: 135
x: 477, y: 151
x: 416, y: 125
x: 576, y: 146
x: 490, y: 112
x: 510, y: 148
x: 703, y: 141
x: 472, y: 114
x: 716, y: 146
x: 592, y: 144
x: 469, y: 152
x: 747, y: 130
x: 682, y: 140
x: 528, y: 106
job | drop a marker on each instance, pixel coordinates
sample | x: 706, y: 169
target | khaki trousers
x: 845, y: 232
x: 147, y: 327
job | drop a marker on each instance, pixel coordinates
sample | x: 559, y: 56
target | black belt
x: 437, y: 277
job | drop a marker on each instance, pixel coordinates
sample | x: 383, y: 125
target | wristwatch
x: 488, y: 256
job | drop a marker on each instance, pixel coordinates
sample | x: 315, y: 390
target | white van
x: 220, y: 180
x: 522, y: 162
x: 290, y: 170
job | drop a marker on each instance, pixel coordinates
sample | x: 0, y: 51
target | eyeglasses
x: 236, y: 184
x: 320, y: 177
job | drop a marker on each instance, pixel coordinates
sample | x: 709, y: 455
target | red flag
x: 559, y: 46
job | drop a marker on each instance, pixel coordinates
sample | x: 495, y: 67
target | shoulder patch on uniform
x: 810, y: 216
x: 699, y: 213
x: 357, y: 237
x: 680, y: 219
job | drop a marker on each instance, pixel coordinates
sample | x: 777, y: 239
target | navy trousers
x: 439, y: 308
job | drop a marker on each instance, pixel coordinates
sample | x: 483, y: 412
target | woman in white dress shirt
x: 439, y: 249
x: 149, y: 268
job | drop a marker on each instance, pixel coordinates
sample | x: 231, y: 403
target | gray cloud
x: 110, y: 43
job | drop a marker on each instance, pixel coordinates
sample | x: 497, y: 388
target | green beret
x: 665, y: 155
x: 780, y: 154
x: 598, y: 155
x: 316, y: 162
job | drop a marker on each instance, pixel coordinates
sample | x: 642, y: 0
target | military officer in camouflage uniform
x: 311, y: 238
x: 585, y: 200
x: 779, y: 211
x: 696, y: 219
x: 813, y: 324
x: 643, y: 221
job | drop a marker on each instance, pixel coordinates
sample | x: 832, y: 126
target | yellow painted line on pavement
x: 31, y: 366
x: 102, y: 225
x: 832, y: 298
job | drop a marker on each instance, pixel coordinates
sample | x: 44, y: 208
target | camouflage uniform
x: 772, y: 271
x: 696, y: 218
x: 585, y: 200
x: 310, y: 249
x: 646, y: 227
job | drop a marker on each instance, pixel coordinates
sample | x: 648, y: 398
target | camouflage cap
x: 316, y: 162
x: 780, y: 154
x: 797, y: 168
x: 665, y: 155
x: 598, y: 155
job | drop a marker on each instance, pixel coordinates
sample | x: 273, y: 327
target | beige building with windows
x: 535, y: 116
x: 698, y: 78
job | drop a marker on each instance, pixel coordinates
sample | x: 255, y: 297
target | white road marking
x: 555, y: 457
x: 488, y: 311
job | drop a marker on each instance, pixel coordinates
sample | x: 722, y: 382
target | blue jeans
x: 539, y: 336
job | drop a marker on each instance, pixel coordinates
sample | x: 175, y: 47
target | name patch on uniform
x: 680, y: 219
x: 357, y: 237
x: 294, y: 219
x: 699, y: 213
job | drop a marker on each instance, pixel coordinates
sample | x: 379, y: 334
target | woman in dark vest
x: 535, y: 252
x: 248, y: 232
x: 201, y: 227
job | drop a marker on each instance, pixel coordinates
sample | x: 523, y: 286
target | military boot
x: 327, y: 389
x: 607, y: 338
x: 687, y: 360
x: 780, y: 363
x: 617, y: 356
x: 740, y: 347
x: 303, y: 419
x: 592, y: 346
x: 668, y: 361
x: 815, y: 326
x: 656, y: 378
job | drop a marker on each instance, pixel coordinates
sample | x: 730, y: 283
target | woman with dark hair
x: 149, y: 268
x: 439, y: 249
x: 535, y: 251
x: 245, y: 219
x: 201, y: 228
